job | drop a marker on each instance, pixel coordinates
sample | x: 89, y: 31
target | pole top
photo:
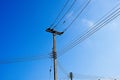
x: 53, y: 31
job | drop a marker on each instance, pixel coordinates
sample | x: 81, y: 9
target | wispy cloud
x: 87, y: 22
x: 114, y: 26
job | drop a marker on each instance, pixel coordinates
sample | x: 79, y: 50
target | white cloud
x: 114, y: 26
x: 87, y: 22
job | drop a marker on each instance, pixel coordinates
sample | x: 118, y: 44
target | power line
x: 66, y: 3
x: 85, y: 36
x: 65, y: 14
x: 62, y: 68
x: 103, y: 17
x: 77, y: 16
x: 91, y: 31
x: 82, y: 39
x: 25, y: 59
x: 88, y: 34
x: 98, y: 22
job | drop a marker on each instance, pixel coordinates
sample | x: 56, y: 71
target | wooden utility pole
x: 54, y: 54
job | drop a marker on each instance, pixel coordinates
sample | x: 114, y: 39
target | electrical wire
x: 65, y: 14
x: 25, y: 59
x: 66, y: 3
x: 99, y: 19
x: 93, y: 25
x: 91, y: 31
x: 77, y: 16
x: 86, y: 36
x: 78, y: 40
x: 62, y: 68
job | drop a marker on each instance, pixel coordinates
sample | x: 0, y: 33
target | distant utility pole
x: 71, y: 76
x: 54, y: 54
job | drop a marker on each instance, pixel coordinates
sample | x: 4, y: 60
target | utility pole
x: 54, y: 53
x: 71, y: 76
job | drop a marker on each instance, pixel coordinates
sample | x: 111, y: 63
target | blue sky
x: 22, y: 34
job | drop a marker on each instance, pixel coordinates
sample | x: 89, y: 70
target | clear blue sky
x: 22, y: 34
